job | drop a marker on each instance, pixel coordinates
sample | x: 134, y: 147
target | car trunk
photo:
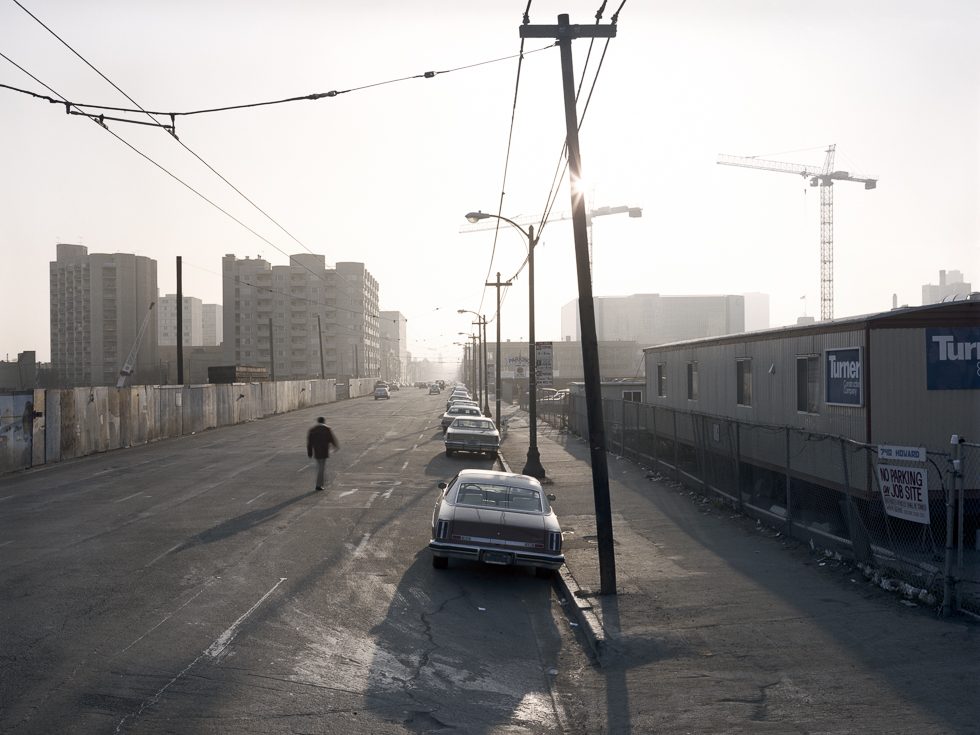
x: 489, y: 526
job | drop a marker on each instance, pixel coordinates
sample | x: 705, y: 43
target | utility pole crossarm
x: 569, y: 31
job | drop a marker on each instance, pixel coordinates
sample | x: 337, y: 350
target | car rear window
x: 501, y: 497
x: 471, y: 424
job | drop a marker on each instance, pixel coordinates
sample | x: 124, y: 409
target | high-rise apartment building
x: 355, y: 333
x: 99, y: 301
x: 652, y: 319
x: 305, y: 302
x: 201, y: 322
x: 192, y: 321
x: 394, y: 340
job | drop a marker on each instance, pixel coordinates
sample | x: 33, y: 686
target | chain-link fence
x: 914, y: 521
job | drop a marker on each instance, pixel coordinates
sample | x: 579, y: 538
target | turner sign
x: 953, y: 358
x: 844, y: 386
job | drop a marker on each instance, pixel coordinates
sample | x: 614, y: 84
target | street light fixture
x: 481, y: 324
x: 533, y: 464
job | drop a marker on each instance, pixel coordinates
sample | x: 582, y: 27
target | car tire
x: 449, y: 452
x: 440, y: 562
x: 542, y: 573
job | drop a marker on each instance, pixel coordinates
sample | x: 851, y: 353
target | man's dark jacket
x: 318, y: 441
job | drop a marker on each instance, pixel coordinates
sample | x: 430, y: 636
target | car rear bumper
x: 464, y: 446
x: 496, y: 556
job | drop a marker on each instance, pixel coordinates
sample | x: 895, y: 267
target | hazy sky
x: 384, y: 175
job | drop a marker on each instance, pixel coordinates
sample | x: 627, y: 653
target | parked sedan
x: 455, y: 411
x: 496, y: 518
x: 466, y: 434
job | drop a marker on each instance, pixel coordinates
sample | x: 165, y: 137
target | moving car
x: 434, y: 390
x: 496, y: 518
x: 472, y: 434
x: 455, y: 411
x: 381, y: 392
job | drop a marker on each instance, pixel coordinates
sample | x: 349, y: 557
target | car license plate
x: 497, y: 557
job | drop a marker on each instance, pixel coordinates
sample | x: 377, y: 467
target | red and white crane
x: 824, y: 177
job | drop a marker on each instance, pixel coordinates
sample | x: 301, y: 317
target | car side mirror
x: 442, y: 486
x: 551, y: 497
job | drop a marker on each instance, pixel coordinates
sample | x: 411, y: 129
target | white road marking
x: 349, y: 492
x: 129, y: 497
x: 405, y: 465
x: 224, y: 640
x: 359, y: 551
x: 388, y: 492
x: 369, y: 502
x: 155, y: 560
x: 255, y: 498
x: 415, y: 447
x: 303, y: 467
x: 221, y: 642
x: 8, y: 497
x: 5, y: 543
x: 421, y: 436
x: 165, y: 619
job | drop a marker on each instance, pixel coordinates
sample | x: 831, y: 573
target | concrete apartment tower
x: 193, y: 323
x: 211, y: 329
x: 98, y: 303
x: 394, y: 339
x: 344, y: 298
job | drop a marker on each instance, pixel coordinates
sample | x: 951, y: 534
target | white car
x: 472, y: 434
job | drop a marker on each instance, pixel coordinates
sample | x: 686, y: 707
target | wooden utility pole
x: 565, y: 32
x: 180, y: 321
x: 496, y: 363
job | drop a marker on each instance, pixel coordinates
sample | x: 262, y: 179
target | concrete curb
x: 573, y: 601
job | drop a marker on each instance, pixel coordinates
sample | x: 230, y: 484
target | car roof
x: 500, y: 478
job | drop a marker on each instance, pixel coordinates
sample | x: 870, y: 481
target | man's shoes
x: 318, y: 488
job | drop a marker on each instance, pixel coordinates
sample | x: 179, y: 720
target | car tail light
x: 554, y: 541
x: 442, y: 529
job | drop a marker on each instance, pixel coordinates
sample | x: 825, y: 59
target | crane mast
x: 127, y: 368
x: 823, y: 177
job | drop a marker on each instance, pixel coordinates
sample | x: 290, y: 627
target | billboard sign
x: 953, y: 358
x: 844, y: 373
x: 514, y: 367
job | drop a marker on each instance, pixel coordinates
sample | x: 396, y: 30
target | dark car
x: 496, y: 518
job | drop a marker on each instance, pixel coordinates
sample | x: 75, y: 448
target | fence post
x: 860, y: 544
x: 737, y: 451
x: 789, y: 493
x: 677, y: 469
x: 948, y: 586
x: 656, y: 459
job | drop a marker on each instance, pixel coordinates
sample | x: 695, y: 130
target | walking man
x: 318, y: 443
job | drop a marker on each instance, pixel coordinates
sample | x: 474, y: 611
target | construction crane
x: 127, y: 368
x: 823, y: 177
x: 589, y: 214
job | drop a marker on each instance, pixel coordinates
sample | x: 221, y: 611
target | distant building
x: 652, y: 319
x: 756, y: 311
x: 19, y: 375
x: 306, y: 303
x: 98, y: 304
x: 394, y: 340
x: 211, y: 329
x: 951, y: 286
x: 192, y: 321
x: 560, y: 363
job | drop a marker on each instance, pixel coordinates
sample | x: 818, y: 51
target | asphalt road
x: 201, y: 585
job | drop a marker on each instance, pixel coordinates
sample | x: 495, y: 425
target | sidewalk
x: 720, y: 624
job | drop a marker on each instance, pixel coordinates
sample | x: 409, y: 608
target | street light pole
x: 533, y: 464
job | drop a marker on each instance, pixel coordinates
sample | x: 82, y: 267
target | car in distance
x: 434, y: 390
x: 520, y: 528
x: 472, y: 434
x: 381, y: 392
x: 455, y: 411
